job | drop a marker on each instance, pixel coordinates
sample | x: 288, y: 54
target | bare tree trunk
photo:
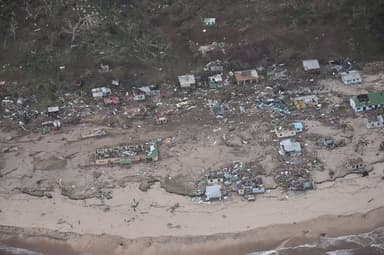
x: 74, y: 29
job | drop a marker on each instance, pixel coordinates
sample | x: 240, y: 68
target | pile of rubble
x: 127, y: 154
x: 236, y: 178
x: 294, y: 179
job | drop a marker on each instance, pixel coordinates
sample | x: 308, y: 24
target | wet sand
x: 284, y: 235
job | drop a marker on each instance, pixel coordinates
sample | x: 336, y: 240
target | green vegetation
x: 150, y: 41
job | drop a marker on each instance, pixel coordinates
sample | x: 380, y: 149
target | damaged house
x: 101, y: 92
x: 311, y: 65
x: 291, y: 130
x: 139, y: 94
x: 246, y: 77
x: 355, y: 164
x: 366, y: 102
x: 351, y: 77
x: 216, y: 81
x: 187, y: 81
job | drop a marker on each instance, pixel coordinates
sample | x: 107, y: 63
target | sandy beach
x: 270, y: 237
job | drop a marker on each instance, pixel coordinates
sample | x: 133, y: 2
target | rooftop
x: 311, y: 64
x: 246, y: 75
x: 351, y: 75
x: 213, y: 192
x: 186, y: 80
x: 372, y: 98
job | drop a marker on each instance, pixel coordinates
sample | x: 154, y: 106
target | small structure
x: 52, y: 110
x: 377, y: 122
x: 247, y: 76
x: 305, y: 101
x: 289, y: 147
x: 311, y: 65
x: 213, y: 192
x: 101, y: 92
x: 355, y: 164
x: 209, y: 21
x: 216, y: 81
x: 187, y: 81
x: 366, y: 102
x: 111, y: 100
x: 351, y: 77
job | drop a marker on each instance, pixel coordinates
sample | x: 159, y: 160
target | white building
x: 351, y: 77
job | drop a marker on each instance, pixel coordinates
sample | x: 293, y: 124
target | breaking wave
x: 371, y: 243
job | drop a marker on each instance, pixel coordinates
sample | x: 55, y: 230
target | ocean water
x: 371, y: 243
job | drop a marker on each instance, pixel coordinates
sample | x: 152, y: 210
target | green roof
x: 374, y: 98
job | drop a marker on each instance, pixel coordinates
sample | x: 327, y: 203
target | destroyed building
x: 98, y: 132
x: 276, y: 105
x: 214, y: 66
x: 236, y: 178
x: 287, y: 131
x: 294, y: 179
x: 305, y: 101
x: 287, y: 147
x: 375, y: 121
x: 327, y: 142
x: 355, y: 164
x: 366, y: 102
x: 139, y: 94
x: 127, y: 154
x: 111, y: 100
x: 284, y: 132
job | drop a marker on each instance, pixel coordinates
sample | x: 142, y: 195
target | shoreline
x: 239, y: 243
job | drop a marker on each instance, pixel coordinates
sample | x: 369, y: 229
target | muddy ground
x: 193, y: 142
